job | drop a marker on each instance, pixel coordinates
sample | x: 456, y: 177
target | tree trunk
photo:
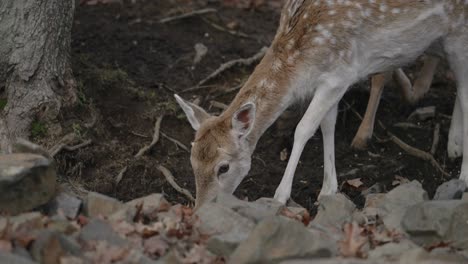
x: 35, y: 67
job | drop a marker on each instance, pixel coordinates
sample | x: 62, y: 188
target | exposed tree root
x: 190, y: 14
x: 170, y: 179
x: 228, y: 65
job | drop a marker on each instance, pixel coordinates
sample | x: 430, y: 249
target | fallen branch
x: 407, y: 148
x: 435, y: 139
x: 121, y: 174
x: 220, y: 28
x: 64, y: 146
x: 157, y: 127
x: 227, y: 65
x: 177, y: 142
x: 170, y: 179
x: 414, y: 151
x: 186, y: 15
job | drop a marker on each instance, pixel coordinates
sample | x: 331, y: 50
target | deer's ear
x: 195, y: 114
x: 244, y: 119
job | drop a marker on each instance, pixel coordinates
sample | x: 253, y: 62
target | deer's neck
x: 271, y: 87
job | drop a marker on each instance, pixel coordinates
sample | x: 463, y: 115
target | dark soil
x: 128, y: 66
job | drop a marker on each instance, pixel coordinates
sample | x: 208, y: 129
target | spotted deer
x: 320, y: 49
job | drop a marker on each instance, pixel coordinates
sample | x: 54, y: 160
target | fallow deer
x: 320, y: 49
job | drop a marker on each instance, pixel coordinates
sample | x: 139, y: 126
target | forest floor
x: 128, y: 66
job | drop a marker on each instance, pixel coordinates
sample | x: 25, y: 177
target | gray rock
x: 49, y: 242
x: 26, y: 182
x: 256, y: 211
x: 68, y: 204
x: 334, y: 211
x: 228, y: 228
x: 391, y: 251
x: 99, y: 204
x: 436, y: 221
x: 420, y: 256
x: 97, y: 229
x: 9, y: 258
x: 276, y: 239
x: 452, y: 189
x: 335, y: 261
x: 394, y: 204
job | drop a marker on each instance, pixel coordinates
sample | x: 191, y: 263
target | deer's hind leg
x: 456, y: 47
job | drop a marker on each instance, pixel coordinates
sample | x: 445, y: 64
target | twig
x: 186, y: 15
x: 435, y: 139
x: 227, y: 65
x: 220, y: 28
x: 177, y: 142
x: 219, y: 105
x: 70, y: 148
x: 157, y: 127
x: 170, y: 179
x: 417, y: 153
x: 407, y: 148
x: 138, y: 134
x: 121, y: 174
x: 196, y: 88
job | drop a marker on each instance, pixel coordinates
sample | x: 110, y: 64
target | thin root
x: 157, y: 127
x: 190, y: 14
x: 436, y: 138
x: 175, y: 141
x: 170, y: 179
x: 227, y: 65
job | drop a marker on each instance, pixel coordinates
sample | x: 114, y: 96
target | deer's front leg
x: 324, y: 100
x: 330, y: 182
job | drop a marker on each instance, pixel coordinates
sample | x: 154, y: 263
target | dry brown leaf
x: 399, y: 180
x: 356, y: 183
x: 284, y: 154
x: 353, y: 240
x: 155, y: 246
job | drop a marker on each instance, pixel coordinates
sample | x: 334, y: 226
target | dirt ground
x: 128, y: 66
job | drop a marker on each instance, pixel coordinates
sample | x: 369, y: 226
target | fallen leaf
x: 353, y: 241
x: 356, y: 183
x: 399, y: 180
x: 155, y: 246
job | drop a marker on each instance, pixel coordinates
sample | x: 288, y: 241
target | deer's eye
x: 223, y: 169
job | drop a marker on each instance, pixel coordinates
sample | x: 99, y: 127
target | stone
x: 276, y: 239
x: 334, y: 211
x: 336, y: 261
x: 50, y: 246
x: 151, y: 203
x: 452, y: 189
x: 228, y: 228
x: 34, y: 220
x: 97, y: 230
x: 421, y: 256
x: 62, y: 226
x: 13, y: 259
x: 256, y: 211
x: 432, y: 222
x: 393, y: 207
x: 465, y: 196
x: 99, y: 204
x: 26, y: 182
x: 392, y: 250
x: 67, y: 204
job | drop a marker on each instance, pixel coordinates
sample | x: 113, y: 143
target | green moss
x: 3, y: 103
x: 111, y: 77
x: 38, y: 129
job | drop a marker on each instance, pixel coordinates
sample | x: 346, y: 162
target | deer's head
x: 221, y: 152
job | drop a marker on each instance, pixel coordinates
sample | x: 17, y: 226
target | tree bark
x: 35, y: 38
